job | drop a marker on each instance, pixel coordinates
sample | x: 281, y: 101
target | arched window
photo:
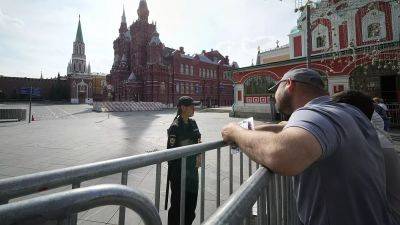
x: 182, y: 69
x: 321, y: 41
x: 374, y: 25
x: 258, y: 85
x: 374, y: 30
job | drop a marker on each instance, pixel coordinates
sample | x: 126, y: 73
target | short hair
x: 358, y: 99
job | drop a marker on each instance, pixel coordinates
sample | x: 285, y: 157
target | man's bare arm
x: 288, y: 152
x: 270, y: 127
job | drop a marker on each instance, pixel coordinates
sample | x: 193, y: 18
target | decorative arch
x: 316, y: 66
x: 82, y: 87
x: 259, y: 72
x: 325, y: 26
x: 381, y: 6
x: 258, y: 85
x: 367, y: 60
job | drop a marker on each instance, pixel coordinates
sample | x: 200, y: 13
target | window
x: 182, y: 69
x: 191, y: 70
x: 321, y: 41
x: 374, y: 30
x: 187, y: 70
x: 177, y: 88
x: 258, y: 85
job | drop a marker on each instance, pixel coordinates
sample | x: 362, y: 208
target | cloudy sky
x: 37, y: 35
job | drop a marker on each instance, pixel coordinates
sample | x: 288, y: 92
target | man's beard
x: 285, y: 104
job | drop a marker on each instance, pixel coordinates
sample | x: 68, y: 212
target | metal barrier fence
x: 57, y: 207
x: 394, y: 114
x: 277, y: 192
x: 19, y: 114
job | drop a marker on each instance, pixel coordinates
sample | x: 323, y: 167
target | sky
x: 38, y: 35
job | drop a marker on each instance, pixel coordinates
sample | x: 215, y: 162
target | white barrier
x: 127, y: 106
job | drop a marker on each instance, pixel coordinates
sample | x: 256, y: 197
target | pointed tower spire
x: 78, y: 60
x: 79, y: 36
x: 143, y: 11
x: 41, y: 74
x: 89, y: 70
x: 123, y: 28
x: 123, y: 19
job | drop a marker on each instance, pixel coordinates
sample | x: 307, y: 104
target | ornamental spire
x: 123, y: 20
x: 79, y: 36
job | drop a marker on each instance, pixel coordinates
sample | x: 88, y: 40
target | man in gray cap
x: 332, y: 150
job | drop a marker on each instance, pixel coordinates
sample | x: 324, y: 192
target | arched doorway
x: 377, y: 81
x: 256, y: 89
x: 82, y: 92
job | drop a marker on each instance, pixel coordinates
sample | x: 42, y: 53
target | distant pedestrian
x: 183, y: 131
x: 332, y: 150
x: 383, y: 111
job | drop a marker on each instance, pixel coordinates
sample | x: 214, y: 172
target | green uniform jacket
x: 181, y: 134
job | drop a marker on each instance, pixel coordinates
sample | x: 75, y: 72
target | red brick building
x: 144, y: 69
x: 353, y: 46
x: 18, y: 88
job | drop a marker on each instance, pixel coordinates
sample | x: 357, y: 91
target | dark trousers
x: 192, y: 183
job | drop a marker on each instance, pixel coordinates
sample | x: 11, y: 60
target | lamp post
x: 308, y: 30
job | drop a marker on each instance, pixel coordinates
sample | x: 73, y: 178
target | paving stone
x: 69, y: 135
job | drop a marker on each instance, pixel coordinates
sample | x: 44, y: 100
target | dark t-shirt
x: 346, y: 186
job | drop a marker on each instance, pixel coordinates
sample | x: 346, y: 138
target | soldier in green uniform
x: 183, y: 131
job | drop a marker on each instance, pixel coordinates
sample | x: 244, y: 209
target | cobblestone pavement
x: 69, y: 135
x: 65, y: 135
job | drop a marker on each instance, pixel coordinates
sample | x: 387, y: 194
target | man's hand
x: 228, y: 132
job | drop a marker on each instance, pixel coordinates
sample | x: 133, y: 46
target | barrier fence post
x: 183, y: 191
x: 218, y: 177
x: 203, y: 180
x: 158, y: 186
x: 230, y: 173
x: 241, y: 168
x: 124, y: 181
x: 73, y: 219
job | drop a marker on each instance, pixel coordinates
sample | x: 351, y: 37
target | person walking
x: 383, y: 111
x: 183, y: 131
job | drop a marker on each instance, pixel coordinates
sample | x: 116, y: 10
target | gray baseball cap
x: 302, y: 75
x: 187, y: 101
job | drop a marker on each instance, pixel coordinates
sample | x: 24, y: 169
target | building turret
x: 143, y: 11
x: 78, y: 61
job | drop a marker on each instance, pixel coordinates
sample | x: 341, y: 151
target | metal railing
x: 57, y: 207
x: 277, y: 194
x: 394, y: 114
